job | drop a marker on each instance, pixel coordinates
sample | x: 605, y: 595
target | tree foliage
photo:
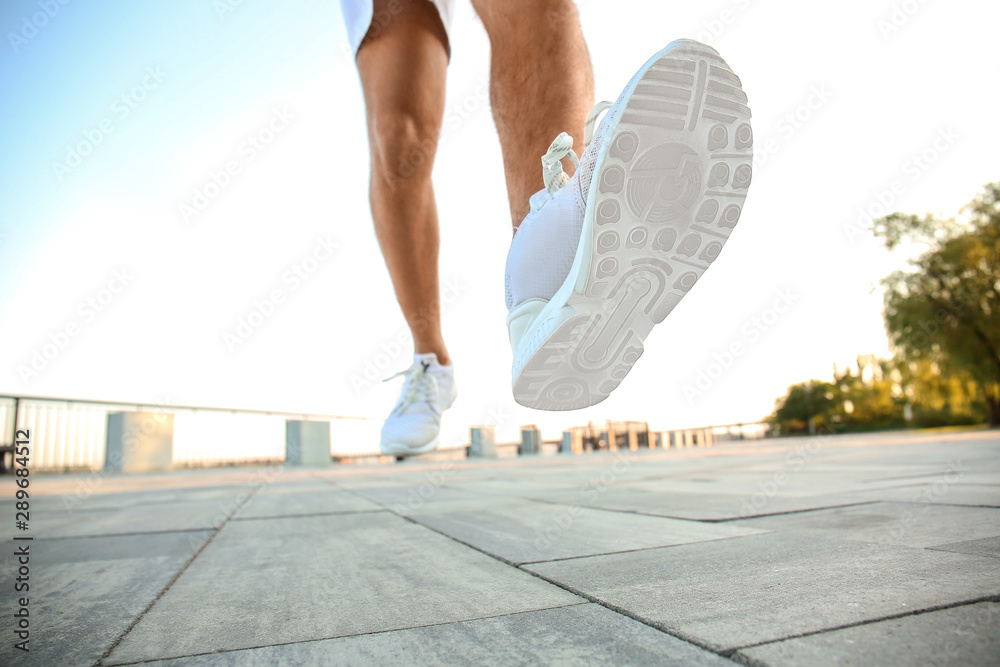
x: 879, y: 394
x: 947, y: 308
x: 942, y: 317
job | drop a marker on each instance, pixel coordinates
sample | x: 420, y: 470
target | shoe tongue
x: 428, y: 360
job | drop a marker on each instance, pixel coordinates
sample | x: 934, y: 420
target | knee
x: 403, y: 145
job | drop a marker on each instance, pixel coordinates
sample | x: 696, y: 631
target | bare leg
x: 402, y: 63
x: 541, y: 84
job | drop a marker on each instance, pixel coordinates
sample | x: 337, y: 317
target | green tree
x: 806, y: 407
x: 871, y: 398
x: 946, y: 309
x: 937, y: 398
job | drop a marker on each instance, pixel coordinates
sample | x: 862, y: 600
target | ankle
x: 439, y: 351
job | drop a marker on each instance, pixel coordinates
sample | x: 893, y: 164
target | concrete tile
x: 584, y: 634
x: 84, y: 592
x: 748, y: 590
x: 280, y: 486
x: 286, y: 502
x: 130, y: 518
x: 105, y: 483
x: 518, y: 487
x: 988, y: 546
x: 968, y: 635
x: 275, y: 581
x: 972, y: 495
x: 88, y: 498
x: 698, y: 506
x: 523, y: 531
x: 410, y: 498
x: 919, y: 526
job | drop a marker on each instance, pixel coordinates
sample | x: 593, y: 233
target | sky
x: 185, y: 216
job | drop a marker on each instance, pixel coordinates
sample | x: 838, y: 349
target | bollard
x: 483, y: 442
x: 139, y: 442
x: 531, y: 440
x: 307, y: 443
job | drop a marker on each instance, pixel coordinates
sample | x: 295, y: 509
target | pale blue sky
x: 879, y: 97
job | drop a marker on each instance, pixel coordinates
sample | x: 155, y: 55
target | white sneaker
x: 414, y: 425
x: 670, y: 164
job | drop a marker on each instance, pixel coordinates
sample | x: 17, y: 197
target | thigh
x: 366, y: 20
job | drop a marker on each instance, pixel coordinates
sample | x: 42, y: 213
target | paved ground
x: 846, y: 550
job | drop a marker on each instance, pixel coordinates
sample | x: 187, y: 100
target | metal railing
x: 71, y: 434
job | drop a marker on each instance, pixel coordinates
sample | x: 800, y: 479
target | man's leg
x: 541, y: 84
x: 402, y: 63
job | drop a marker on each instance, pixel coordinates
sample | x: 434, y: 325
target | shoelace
x: 553, y: 174
x: 418, y: 387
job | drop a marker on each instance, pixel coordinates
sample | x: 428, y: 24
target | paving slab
x: 175, y: 483
x: 988, y: 546
x: 969, y: 476
x: 522, y: 531
x: 94, y: 497
x: 59, y: 514
x: 206, y: 514
x: 281, y: 501
x: 316, y: 563
x: 704, y: 506
x: 406, y: 499
x: 581, y: 634
x: 84, y: 592
x: 748, y: 590
x: 389, y: 476
x: 920, y: 526
x: 970, y: 495
x: 967, y: 635
x: 273, y: 581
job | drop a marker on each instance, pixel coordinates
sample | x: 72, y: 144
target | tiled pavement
x: 881, y: 549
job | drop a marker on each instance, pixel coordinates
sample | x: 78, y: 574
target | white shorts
x: 358, y: 16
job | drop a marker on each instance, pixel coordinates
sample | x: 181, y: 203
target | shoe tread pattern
x: 666, y: 198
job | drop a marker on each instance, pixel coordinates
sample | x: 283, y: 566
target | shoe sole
x: 668, y: 188
x: 403, y: 450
